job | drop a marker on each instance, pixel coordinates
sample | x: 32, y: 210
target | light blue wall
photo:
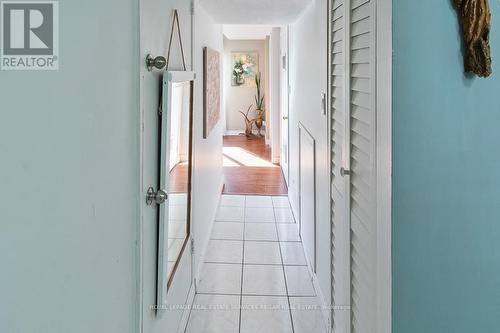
x: 446, y: 190
x: 69, y: 179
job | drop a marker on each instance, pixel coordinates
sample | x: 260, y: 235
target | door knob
x: 285, y: 117
x: 158, y: 62
x: 345, y: 172
x: 156, y: 197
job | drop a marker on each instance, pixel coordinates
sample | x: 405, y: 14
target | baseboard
x: 234, y: 132
x: 205, y: 247
x: 194, y: 286
x: 242, y: 132
x: 326, y: 312
x: 321, y: 298
x: 187, y: 310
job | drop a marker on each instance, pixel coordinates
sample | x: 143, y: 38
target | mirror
x: 175, y: 178
x: 178, y: 166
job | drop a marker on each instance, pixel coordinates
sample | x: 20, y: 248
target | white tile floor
x: 255, y: 277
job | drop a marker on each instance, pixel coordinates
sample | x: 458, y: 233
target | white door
x: 340, y: 184
x: 353, y: 155
x: 285, y: 94
x: 363, y: 165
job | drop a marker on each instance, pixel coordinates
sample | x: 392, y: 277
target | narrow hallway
x: 255, y: 277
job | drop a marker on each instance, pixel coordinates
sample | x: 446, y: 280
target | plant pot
x: 259, y: 121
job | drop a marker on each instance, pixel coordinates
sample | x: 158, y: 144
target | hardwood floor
x: 248, y: 168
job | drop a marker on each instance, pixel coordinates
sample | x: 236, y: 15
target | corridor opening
x: 269, y: 228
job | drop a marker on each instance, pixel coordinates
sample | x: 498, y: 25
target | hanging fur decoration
x: 475, y: 18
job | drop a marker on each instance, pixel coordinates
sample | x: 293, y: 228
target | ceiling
x: 243, y: 31
x: 255, y: 11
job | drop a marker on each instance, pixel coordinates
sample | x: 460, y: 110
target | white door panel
x: 353, y: 156
x: 285, y: 102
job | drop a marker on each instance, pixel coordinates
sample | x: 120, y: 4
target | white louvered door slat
x: 339, y: 126
x: 353, y: 147
x: 363, y: 167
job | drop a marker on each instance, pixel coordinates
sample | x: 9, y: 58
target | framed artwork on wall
x: 211, y: 92
x: 245, y: 65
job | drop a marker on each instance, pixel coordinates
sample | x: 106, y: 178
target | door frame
x: 383, y: 104
x: 384, y: 163
x: 285, y: 90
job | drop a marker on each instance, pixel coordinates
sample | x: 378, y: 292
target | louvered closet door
x: 353, y: 147
x: 339, y: 126
x: 363, y: 165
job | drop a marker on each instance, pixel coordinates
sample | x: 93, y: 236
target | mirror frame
x: 163, y: 279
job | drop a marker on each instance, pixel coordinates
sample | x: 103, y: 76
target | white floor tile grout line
x: 284, y: 273
x: 242, y: 263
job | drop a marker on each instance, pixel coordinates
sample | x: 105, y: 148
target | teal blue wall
x: 69, y: 179
x: 446, y: 186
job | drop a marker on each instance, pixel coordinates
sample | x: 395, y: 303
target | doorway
x: 253, y: 159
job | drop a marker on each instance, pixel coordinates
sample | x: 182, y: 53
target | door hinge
x: 192, y: 7
x: 192, y: 245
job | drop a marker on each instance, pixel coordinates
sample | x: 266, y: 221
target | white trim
x: 314, y: 141
x: 329, y: 154
x: 384, y: 165
x: 325, y: 312
x: 273, y: 123
x: 242, y: 132
x: 187, y: 310
x: 234, y: 132
x: 142, y: 206
x: 204, y: 249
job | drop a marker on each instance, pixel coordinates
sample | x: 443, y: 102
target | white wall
x: 308, y: 76
x: 207, y: 174
x: 69, y: 179
x: 240, y: 98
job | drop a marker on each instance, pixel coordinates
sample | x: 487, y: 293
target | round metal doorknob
x: 285, y: 118
x: 158, y: 197
x: 161, y: 197
x: 344, y: 172
x: 158, y: 62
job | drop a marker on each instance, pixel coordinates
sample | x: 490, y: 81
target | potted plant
x: 248, y: 123
x: 259, y: 103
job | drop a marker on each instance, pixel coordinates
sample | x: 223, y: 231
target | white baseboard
x: 322, y: 301
x: 234, y: 132
x: 242, y: 132
x: 205, y: 247
x: 187, y: 310
x: 194, y: 286
x: 326, y: 313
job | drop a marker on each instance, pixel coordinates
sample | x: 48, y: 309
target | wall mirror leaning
x: 175, y: 177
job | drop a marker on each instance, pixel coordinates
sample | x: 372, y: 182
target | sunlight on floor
x: 236, y: 157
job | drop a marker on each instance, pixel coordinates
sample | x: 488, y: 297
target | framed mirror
x: 174, y: 229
